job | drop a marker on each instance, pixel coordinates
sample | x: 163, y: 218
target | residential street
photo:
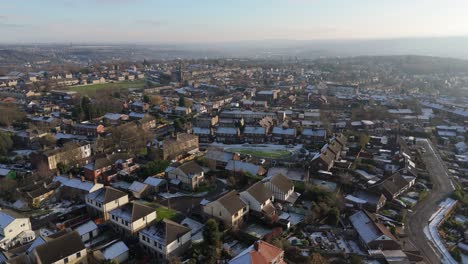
x: 422, y: 212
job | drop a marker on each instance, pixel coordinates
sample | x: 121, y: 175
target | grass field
x: 272, y: 154
x: 92, y: 88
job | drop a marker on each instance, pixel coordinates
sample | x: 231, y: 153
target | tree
x: 156, y: 100
x: 10, y: 114
x: 146, y: 98
x: 154, y: 167
x: 316, y: 258
x: 355, y: 259
x: 182, y: 101
x: 8, y: 189
x: 6, y: 143
x: 212, y: 241
x: 47, y: 140
x: 211, y: 235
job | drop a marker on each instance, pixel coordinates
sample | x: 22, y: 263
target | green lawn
x: 273, y: 154
x: 162, y: 211
x: 92, y: 88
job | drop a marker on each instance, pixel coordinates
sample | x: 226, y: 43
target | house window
x: 78, y: 255
x: 220, y: 213
x: 65, y: 260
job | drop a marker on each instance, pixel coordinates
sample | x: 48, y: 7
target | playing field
x: 92, y: 88
x: 272, y: 154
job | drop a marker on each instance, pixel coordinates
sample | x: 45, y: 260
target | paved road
x: 418, y: 219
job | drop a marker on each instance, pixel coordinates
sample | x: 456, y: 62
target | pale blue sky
x: 192, y: 21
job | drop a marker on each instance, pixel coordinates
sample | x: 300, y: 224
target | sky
x: 213, y: 21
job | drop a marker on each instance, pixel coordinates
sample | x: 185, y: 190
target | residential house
x: 255, y: 135
x: 218, y: 159
x: 313, y: 136
x: 104, y: 200
x: 74, y: 188
x: 115, y: 118
x: 229, y: 209
x: 369, y: 201
x: 155, y: 184
x: 71, y: 153
x: 87, y: 129
x: 180, y: 145
x: 165, y: 239
x: 68, y: 248
x: 189, y: 175
x: 285, y: 135
x: 245, y: 167
x: 205, y: 135
x: 394, y: 186
x: 260, y: 252
x: 106, y: 168
x: 227, y: 135
x: 324, y: 160
x: 373, y: 234
x: 132, y: 217
x: 282, y: 188
x: 139, y: 107
x: 260, y: 201
x: 15, y: 229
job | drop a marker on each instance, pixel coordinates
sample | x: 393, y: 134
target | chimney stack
x: 82, y: 178
x: 256, y: 244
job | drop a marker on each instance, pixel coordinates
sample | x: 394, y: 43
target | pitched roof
x: 260, y: 252
x: 259, y: 192
x: 283, y: 183
x: 113, y: 251
x: 132, y: 211
x: 190, y: 168
x: 369, y: 228
x: 166, y: 230
x: 106, y: 194
x: 232, y: 202
x: 59, y: 248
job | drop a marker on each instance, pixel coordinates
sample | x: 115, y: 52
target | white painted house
x: 282, y: 188
x: 132, y: 217
x: 15, y: 229
x: 260, y: 199
x: 166, y: 239
x: 105, y: 200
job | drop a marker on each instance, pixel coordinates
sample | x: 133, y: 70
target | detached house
x: 104, y: 200
x: 260, y: 201
x: 189, y: 175
x: 132, y: 217
x: 229, y: 209
x: 165, y: 239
